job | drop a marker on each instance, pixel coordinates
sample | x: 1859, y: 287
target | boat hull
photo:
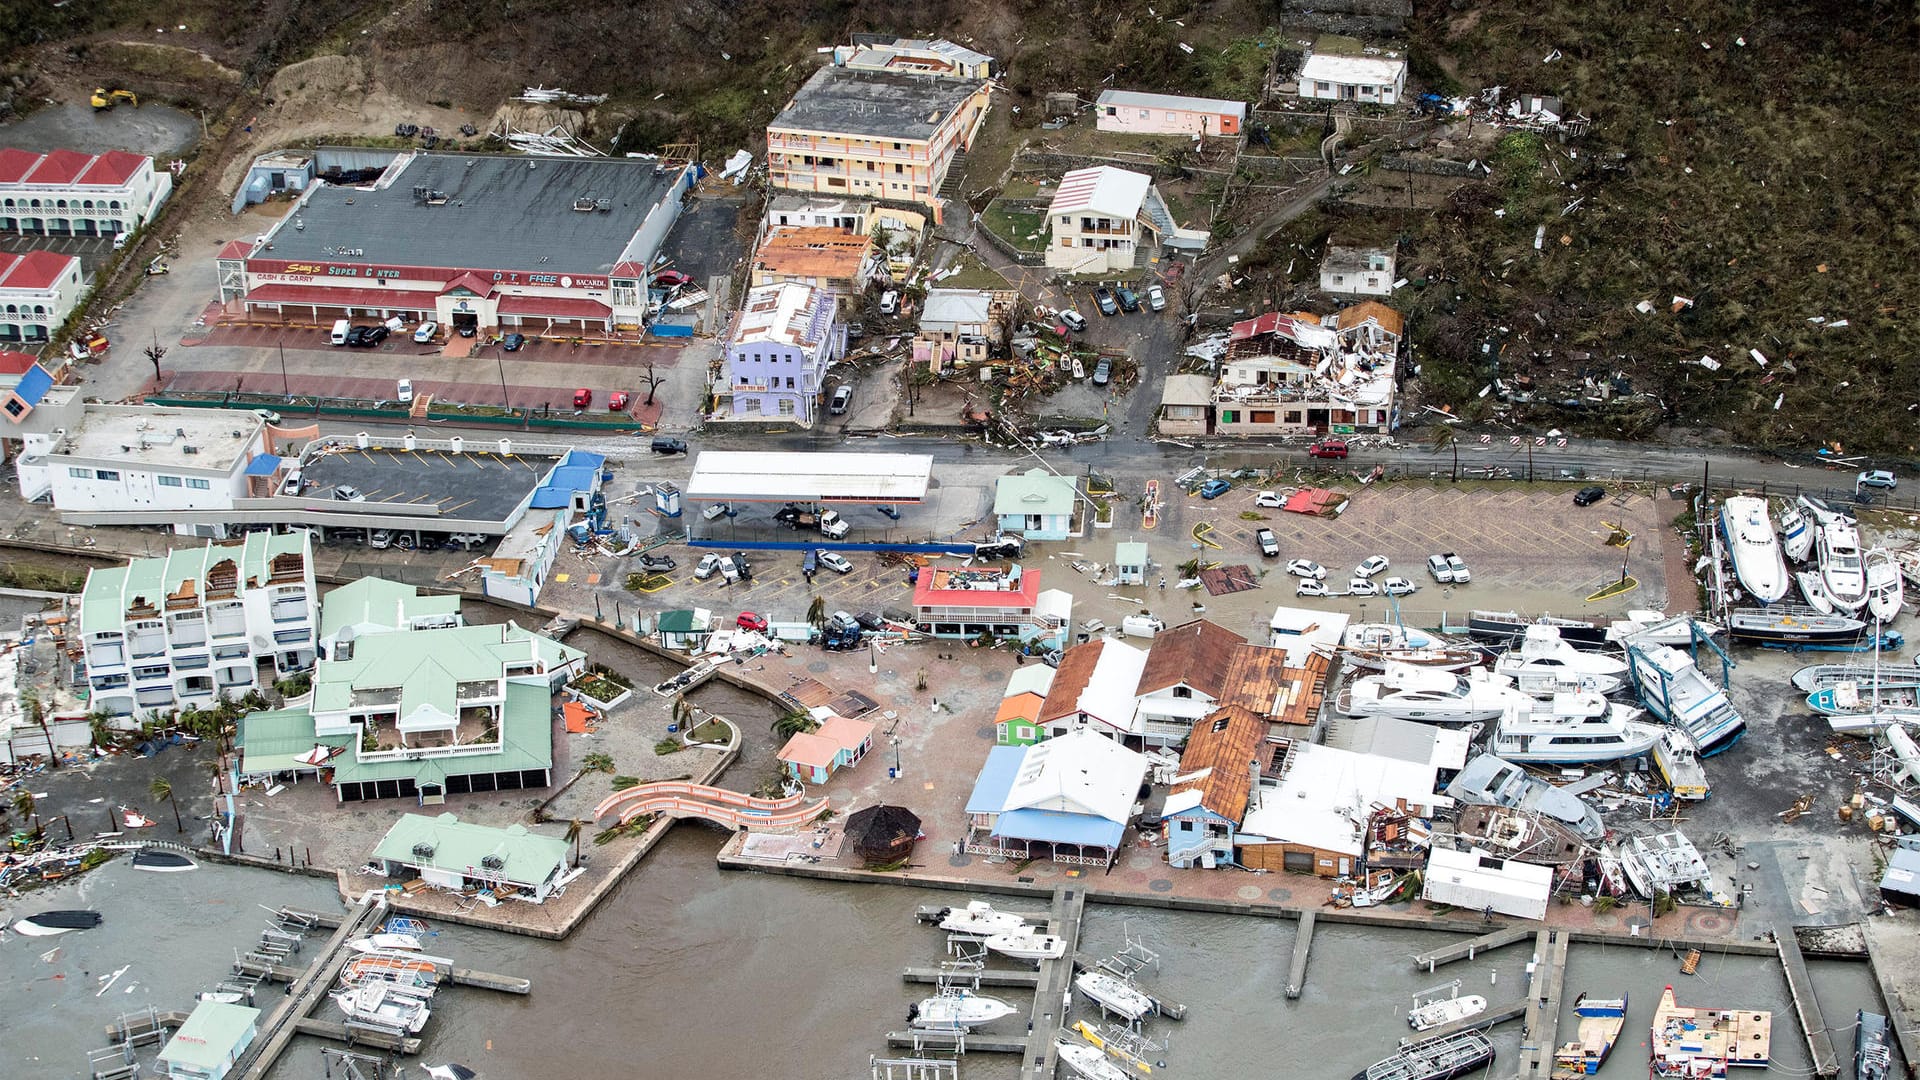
x: 1115, y: 996
x: 1766, y: 627
x: 1508, y: 627
x: 1442, y: 1058
x: 1753, y: 548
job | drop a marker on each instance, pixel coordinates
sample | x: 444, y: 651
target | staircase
x: 956, y: 175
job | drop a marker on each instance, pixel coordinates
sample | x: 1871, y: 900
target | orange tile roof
x: 1390, y: 320
x: 1020, y: 707
x: 1069, y: 679
x: 1225, y: 744
x: 1195, y: 653
x: 812, y: 252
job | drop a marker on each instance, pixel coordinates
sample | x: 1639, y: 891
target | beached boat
x: 1427, y: 694
x: 1115, y: 995
x: 1537, y: 682
x: 1677, y: 759
x: 385, y: 943
x: 1885, y: 594
x: 1543, y: 646
x: 1791, y: 625
x: 1657, y: 628
x: 1028, y: 943
x: 1365, y: 636
x: 1674, y: 690
x: 1664, y: 863
x: 50, y: 923
x: 958, y: 1008
x: 1601, y: 1021
x: 1571, y: 729
x: 383, y: 1006
x: 1087, y: 1062
x: 1693, y: 1043
x: 1814, y: 591
x: 1754, y: 549
x: 1872, y: 1050
x: 1441, y: 1058
x: 979, y: 918
x: 1435, y: 1011
x: 1796, y: 533
x: 1842, y: 568
x: 1908, y: 559
x: 156, y: 861
x: 1888, y: 703
x: 1503, y: 628
x: 1865, y: 676
x: 1442, y: 659
x: 1489, y: 780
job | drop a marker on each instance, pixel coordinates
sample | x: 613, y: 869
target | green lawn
x: 1025, y: 230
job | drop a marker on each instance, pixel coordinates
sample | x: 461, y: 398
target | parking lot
x: 93, y: 250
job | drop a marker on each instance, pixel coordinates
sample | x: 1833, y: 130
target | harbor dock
x: 357, y: 1035
x: 1302, y: 943
x: 986, y: 977
x: 305, y: 992
x: 961, y: 1041
x: 1053, y: 992
x: 1819, y: 1043
x: 1548, y: 982
x: 484, y: 980
x: 1467, y: 950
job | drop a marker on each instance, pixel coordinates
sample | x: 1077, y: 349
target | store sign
x: 279, y: 271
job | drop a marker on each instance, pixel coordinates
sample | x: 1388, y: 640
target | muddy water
x: 156, y: 130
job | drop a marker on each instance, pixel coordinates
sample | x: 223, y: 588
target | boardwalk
x: 1543, y: 1004
x: 305, y: 992
x: 1054, y: 993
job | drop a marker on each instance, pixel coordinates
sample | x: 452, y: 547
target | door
x: 1298, y: 862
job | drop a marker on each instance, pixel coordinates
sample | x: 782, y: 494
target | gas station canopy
x: 754, y: 476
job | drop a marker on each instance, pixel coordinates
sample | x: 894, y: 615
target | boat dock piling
x: 1466, y: 950
x: 995, y: 977
x: 357, y: 1035
x: 1053, y: 992
x: 1819, y: 1043
x: 280, y: 1025
x: 1548, y: 982
x: 1302, y: 942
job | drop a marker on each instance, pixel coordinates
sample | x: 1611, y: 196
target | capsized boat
x: 1693, y: 1043
x: 1674, y: 690
x: 1571, y: 729
x: 1842, y: 568
x: 1601, y: 1021
x: 162, y: 862
x: 1676, y: 757
x: 1885, y: 594
x: 979, y: 917
x: 1796, y: 533
x: 1116, y: 995
x: 1426, y: 694
x: 958, y: 1008
x: 50, y: 923
x: 1028, y: 943
x: 1087, y: 1062
x: 1489, y: 780
x: 383, y: 1006
x: 1872, y: 1052
x: 1441, y: 1058
x: 1754, y: 548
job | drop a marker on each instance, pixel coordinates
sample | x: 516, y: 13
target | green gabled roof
x: 526, y: 742
x: 147, y: 580
x: 210, y: 1034
x: 1035, y: 491
x: 436, y: 661
x: 275, y: 740
x: 100, y: 607
x: 373, y: 601
x: 526, y: 857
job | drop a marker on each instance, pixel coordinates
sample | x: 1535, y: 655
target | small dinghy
x: 162, y: 862
x: 49, y: 923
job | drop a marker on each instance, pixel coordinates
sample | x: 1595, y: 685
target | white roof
x: 955, y: 306
x: 200, y: 440
x: 1109, y: 695
x: 1422, y: 744
x: 792, y: 476
x: 1301, y: 631
x: 1324, y: 800
x: 1102, y: 189
x: 1080, y: 772
x: 1470, y: 870
x: 1356, y: 70
x: 1139, y: 100
x: 1053, y: 603
x: 1033, y: 678
x: 783, y: 314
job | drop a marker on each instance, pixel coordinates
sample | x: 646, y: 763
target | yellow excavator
x: 104, y: 99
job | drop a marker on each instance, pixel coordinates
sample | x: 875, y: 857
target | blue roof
x: 996, y: 780
x: 263, y: 465
x: 576, y: 472
x: 33, y: 385
x: 1059, y: 827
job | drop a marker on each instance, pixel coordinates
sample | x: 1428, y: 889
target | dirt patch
x: 173, y: 64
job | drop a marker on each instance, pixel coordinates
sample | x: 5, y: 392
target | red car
x: 749, y: 621
x: 1328, y: 448
x: 618, y: 401
x: 582, y: 398
x: 671, y: 279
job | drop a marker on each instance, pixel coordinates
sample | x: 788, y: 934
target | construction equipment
x: 104, y: 99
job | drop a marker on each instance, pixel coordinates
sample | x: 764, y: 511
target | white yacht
x: 1571, y: 730
x: 1674, y: 690
x: 1754, y: 549
x: 979, y: 918
x: 1885, y: 594
x: 1115, y: 995
x: 1658, y: 628
x: 1796, y: 533
x: 1545, y: 682
x: 958, y: 1009
x: 1436, y: 697
x: 380, y: 1005
x: 1842, y: 568
x: 1088, y: 1062
x: 1543, y: 647
x: 1028, y: 943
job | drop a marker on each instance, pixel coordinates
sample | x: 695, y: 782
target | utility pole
x: 284, y: 385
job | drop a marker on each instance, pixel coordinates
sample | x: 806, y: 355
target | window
x: 15, y: 407
x: 80, y: 474
x: 786, y: 407
x: 169, y: 481
x: 1169, y: 116
x: 1229, y: 416
x: 106, y: 474
x: 1321, y: 87
x: 1066, y: 241
x: 749, y: 404
x: 197, y: 484
x: 789, y: 382
x: 1260, y: 416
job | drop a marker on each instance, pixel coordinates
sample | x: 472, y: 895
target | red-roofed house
x: 68, y: 193
x: 37, y: 292
x: 1003, y: 602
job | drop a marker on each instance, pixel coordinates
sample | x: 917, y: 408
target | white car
x: 709, y: 565
x: 425, y: 331
x: 1302, y: 568
x: 1269, y: 499
x: 1438, y: 567
x: 1374, y: 566
x: 1309, y: 587
x: 403, y: 392
x: 1398, y: 586
x: 1156, y: 298
x: 1461, y: 575
x: 714, y: 511
x: 834, y: 561
x: 1362, y: 587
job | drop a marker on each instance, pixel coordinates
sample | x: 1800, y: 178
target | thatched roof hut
x: 882, y: 834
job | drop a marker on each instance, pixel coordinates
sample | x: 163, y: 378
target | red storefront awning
x: 554, y: 307
x: 328, y: 296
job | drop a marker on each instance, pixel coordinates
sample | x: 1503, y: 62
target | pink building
x: 1168, y: 114
x: 812, y: 757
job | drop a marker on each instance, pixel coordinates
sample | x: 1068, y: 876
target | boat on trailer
x: 1792, y: 625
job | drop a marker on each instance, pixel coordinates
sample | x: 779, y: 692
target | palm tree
x: 574, y: 826
x: 1446, y: 437
x: 162, y: 789
x: 596, y: 763
x: 30, y: 705
x: 817, y: 611
x: 794, y: 723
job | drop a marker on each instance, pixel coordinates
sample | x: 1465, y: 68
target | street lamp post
x: 505, y: 402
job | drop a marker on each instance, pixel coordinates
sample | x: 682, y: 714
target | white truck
x: 1141, y: 626
x: 832, y: 525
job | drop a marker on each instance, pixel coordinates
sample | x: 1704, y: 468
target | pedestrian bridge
x: 679, y: 799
